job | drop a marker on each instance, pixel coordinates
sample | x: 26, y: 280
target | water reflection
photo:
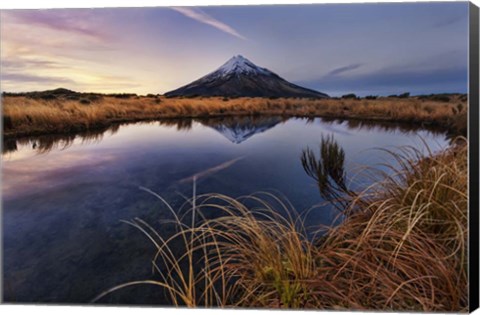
x: 46, y: 143
x: 236, y: 129
x: 328, y: 170
x: 184, y: 124
x: 381, y: 126
x: 239, y: 129
x: 9, y: 145
x: 62, y: 210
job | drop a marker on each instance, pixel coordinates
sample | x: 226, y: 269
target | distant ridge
x: 241, y: 77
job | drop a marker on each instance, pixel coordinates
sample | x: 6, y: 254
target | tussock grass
x: 403, y: 248
x: 32, y: 116
x: 406, y: 248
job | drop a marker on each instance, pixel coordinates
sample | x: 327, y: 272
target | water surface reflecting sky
x: 64, y: 196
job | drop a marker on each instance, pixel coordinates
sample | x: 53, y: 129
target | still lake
x: 64, y: 196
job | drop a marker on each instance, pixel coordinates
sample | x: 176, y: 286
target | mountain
x: 241, y: 77
x: 239, y: 129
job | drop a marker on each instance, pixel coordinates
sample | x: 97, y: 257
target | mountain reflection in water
x: 236, y: 129
x: 239, y: 129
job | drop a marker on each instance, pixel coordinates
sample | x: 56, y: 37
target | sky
x: 367, y: 49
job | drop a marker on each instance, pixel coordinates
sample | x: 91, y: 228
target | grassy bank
x: 401, y: 246
x: 68, y: 113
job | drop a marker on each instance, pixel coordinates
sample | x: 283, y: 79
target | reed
x: 403, y: 248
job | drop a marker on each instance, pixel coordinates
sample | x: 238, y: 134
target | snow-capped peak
x: 240, y: 64
x: 239, y: 77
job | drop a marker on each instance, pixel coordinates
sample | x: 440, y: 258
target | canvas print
x: 268, y: 156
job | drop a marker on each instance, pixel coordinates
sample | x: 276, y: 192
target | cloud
x: 450, y: 21
x: 22, y: 63
x: 14, y: 81
x: 395, y: 80
x: 437, y: 73
x: 200, y: 16
x: 28, y: 78
x: 344, y: 69
x: 60, y: 20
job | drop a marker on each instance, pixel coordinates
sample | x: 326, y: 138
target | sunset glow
x: 332, y: 48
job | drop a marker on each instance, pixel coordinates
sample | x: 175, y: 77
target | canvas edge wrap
x: 1, y: 176
x: 473, y: 140
x: 473, y: 137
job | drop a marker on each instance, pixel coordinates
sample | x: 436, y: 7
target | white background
x: 74, y: 310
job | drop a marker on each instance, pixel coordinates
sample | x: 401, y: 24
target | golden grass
x: 406, y: 249
x: 29, y: 116
x: 403, y: 247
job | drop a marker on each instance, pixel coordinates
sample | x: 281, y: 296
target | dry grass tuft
x: 403, y: 248
x: 406, y: 250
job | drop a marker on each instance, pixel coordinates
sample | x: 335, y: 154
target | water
x: 64, y: 196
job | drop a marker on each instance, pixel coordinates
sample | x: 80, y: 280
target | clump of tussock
x: 406, y: 248
x: 403, y: 249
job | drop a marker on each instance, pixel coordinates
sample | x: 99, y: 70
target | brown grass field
x: 28, y: 116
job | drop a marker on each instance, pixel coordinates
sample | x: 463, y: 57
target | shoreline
x: 75, y: 129
x: 27, y: 117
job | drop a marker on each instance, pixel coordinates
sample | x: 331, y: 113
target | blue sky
x: 334, y: 48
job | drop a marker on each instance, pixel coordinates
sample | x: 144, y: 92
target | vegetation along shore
x: 65, y: 111
x: 401, y: 246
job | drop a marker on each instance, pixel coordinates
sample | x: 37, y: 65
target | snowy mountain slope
x: 241, y: 77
